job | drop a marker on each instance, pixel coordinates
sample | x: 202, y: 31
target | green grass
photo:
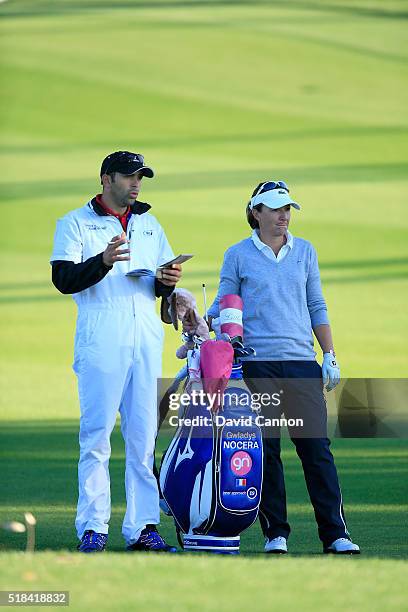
x: 226, y: 94
x: 39, y: 474
x: 218, y: 95
x: 222, y: 584
x: 40, y: 468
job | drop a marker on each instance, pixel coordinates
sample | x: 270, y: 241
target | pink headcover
x: 231, y: 307
x: 216, y: 364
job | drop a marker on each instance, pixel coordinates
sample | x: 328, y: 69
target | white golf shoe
x: 278, y: 546
x: 343, y: 546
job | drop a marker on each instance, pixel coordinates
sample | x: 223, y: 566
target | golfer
x: 118, y: 346
x: 277, y: 276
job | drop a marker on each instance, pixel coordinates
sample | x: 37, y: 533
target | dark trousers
x: 301, y: 388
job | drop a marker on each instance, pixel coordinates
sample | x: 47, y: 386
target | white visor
x: 275, y: 198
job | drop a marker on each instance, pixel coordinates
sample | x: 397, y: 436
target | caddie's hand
x: 115, y: 251
x: 170, y: 276
x: 330, y: 371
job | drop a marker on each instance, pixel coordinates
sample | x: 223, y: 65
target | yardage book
x: 144, y: 272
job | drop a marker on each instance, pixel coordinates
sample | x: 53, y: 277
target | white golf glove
x: 330, y: 371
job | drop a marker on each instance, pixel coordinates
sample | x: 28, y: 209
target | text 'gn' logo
x: 241, y: 463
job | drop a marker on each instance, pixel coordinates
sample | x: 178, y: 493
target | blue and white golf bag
x: 211, y: 474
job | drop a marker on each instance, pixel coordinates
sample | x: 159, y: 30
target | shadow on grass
x: 69, y: 6
x: 39, y: 474
x: 357, y: 273
x: 198, y: 140
x: 217, y: 179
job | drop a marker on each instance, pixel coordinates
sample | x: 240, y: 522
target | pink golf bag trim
x: 231, y: 307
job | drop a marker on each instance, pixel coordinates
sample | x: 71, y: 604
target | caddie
x: 118, y: 346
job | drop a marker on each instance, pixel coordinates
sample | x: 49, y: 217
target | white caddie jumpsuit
x: 118, y: 353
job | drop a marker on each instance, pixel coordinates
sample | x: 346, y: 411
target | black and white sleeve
x: 70, y: 277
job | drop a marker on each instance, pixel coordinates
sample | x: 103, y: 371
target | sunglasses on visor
x: 269, y: 186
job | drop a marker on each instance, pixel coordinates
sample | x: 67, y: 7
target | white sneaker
x: 343, y: 546
x: 278, y: 546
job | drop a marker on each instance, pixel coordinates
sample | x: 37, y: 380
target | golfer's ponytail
x: 250, y: 217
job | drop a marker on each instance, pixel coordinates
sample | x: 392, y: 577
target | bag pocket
x: 240, y: 469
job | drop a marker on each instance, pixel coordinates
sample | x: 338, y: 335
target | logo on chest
x: 92, y: 226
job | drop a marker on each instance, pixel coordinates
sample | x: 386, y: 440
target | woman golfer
x: 277, y: 276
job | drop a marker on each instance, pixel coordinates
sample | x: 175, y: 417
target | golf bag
x: 211, y: 474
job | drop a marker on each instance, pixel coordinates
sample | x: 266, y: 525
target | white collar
x: 261, y: 245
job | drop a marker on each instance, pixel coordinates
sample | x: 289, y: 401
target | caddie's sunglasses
x: 269, y: 186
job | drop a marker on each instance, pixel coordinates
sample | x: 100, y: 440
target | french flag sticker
x: 240, y: 482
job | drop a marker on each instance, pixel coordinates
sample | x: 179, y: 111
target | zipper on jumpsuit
x: 136, y: 339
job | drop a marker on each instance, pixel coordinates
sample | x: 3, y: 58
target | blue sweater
x: 283, y: 300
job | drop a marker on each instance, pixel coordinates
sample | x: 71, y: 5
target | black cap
x: 125, y: 162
